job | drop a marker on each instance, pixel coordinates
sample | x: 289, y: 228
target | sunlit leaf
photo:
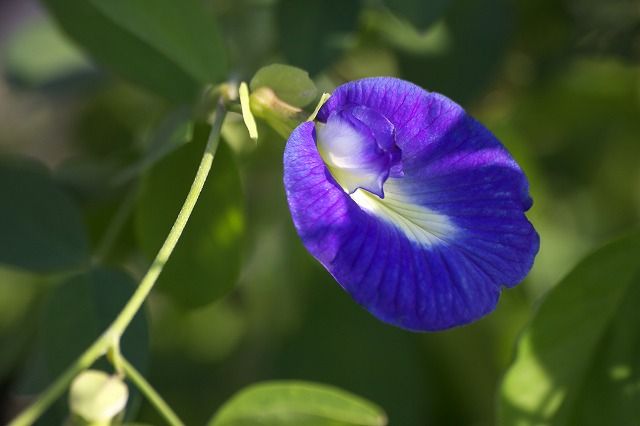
x: 41, y: 227
x: 577, y: 361
x: 297, y: 403
x: 183, y: 31
x: 169, y: 47
x: 206, y: 262
x: 39, y: 55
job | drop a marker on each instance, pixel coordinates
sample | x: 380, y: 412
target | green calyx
x: 281, y: 116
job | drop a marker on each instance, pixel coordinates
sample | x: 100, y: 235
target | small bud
x: 97, y: 397
x: 281, y: 116
x: 292, y: 85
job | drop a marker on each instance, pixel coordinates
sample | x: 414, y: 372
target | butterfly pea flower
x: 413, y: 206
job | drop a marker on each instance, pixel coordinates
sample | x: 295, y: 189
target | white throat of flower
x: 418, y: 223
x: 339, y: 146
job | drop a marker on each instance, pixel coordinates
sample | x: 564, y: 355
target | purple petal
x: 450, y: 232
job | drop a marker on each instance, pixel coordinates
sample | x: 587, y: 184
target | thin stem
x: 150, y: 393
x: 57, y: 388
x: 112, y: 335
x: 150, y: 278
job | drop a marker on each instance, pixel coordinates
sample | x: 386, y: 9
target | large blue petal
x: 459, y: 184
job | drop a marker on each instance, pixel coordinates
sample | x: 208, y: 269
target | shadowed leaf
x: 41, y: 227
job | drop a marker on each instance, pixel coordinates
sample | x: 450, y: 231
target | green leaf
x: 398, y: 34
x: 577, y: 361
x: 206, y: 261
x: 183, y: 31
x: 299, y: 404
x: 312, y: 34
x: 38, y: 55
x: 169, y: 47
x: 419, y: 12
x: 41, y: 227
x: 290, y: 84
x: 96, y: 396
x: 80, y: 309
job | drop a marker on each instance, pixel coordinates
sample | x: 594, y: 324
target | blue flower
x: 415, y: 208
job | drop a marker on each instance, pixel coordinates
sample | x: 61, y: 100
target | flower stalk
x: 110, y: 339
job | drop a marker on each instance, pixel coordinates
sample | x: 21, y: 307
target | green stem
x: 150, y: 278
x: 112, y: 335
x: 150, y: 393
x: 57, y: 388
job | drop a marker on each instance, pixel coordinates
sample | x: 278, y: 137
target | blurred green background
x: 84, y: 140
